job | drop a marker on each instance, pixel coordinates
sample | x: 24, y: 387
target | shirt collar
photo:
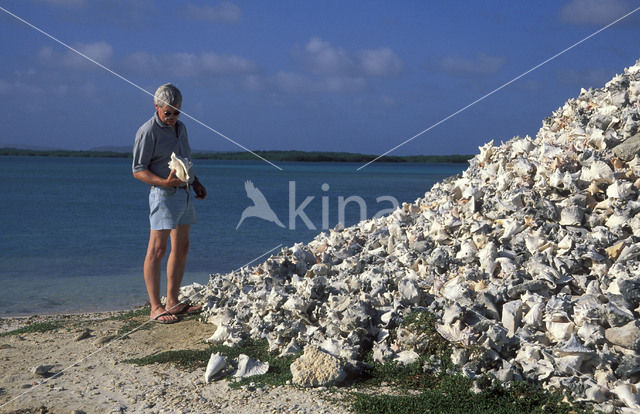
x: 161, y: 124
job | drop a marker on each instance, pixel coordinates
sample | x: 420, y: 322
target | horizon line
x: 121, y: 150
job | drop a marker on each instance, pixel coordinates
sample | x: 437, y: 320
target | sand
x: 95, y: 379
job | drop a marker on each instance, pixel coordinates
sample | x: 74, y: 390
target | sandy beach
x: 90, y: 354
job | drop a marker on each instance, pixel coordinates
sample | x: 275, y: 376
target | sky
x: 300, y: 75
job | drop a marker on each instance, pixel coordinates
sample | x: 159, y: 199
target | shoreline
x: 74, y: 311
x: 12, y: 322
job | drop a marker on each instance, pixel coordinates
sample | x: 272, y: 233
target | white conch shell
x: 291, y: 349
x: 571, y: 216
x: 620, y: 189
x: 528, y: 356
x: 216, y: 363
x: 533, y: 318
x: 628, y: 393
x: 453, y: 333
x: 181, y: 166
x: 248, y: 367
x: 468, y: 251
x: 221, y: 334
x: 599, y: 171
x: 573, y: 346
x: 406, y: 357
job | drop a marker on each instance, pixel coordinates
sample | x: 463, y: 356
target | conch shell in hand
x: 181, y: 166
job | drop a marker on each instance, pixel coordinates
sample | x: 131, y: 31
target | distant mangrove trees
x: 275, y: 156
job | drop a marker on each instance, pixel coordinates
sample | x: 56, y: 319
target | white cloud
x: 594, y: 78
x: 253, y: 83
x: 322, y: 58
x: 597, y: 12
x: 333, y: 69
x: 218, y: 64
x: 224, y: 12
x: 482, y: 64
x: 102, y: 52
x: 343, y: 84
x: 380, y: 62
x: 189, y: 64
x: 20, y: 88
x: 142, y: 61
x: 290, y: 82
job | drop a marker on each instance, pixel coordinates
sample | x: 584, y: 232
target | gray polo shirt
x: 154, y: 144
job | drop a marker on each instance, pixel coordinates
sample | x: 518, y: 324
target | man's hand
x: 173, y: 181
x: 150, y: 178
x: 201, y: 192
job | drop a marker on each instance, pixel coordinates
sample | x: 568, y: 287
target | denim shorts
x: 169, y: 207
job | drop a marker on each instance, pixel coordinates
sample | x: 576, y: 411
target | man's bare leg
x: 176, y: 264
x: 152, y: 270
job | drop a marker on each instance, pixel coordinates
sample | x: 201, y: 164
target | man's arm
x: 201, y: 192
x: 150, y: 178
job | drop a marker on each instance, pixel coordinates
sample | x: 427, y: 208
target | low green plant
x: 133, y: 319
x: 131, y: 325
x: 423, y: 324
x: 134, y: 313
x: 451, y: 394
x: 443, y: 389
x: 35, y: 327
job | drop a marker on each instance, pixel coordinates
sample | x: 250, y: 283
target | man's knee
x: 182, y: 249
x: 156, y: 252
x: 180, y: 242
x: 157, y: 245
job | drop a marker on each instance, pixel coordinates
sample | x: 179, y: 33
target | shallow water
x: 74, y: 230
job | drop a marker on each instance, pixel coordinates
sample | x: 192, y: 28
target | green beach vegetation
x: 36, y: 327
x: 274, y: 156
x: 391, y: 388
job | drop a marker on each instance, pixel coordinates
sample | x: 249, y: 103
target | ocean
x: 74, y: 230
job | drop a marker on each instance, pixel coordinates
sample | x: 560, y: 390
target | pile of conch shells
x: 531, y: 254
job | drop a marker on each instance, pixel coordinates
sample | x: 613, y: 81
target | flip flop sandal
x: 165, y: 321
x: 189, y: 309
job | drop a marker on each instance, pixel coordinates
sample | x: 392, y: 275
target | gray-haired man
x: 170, y: 201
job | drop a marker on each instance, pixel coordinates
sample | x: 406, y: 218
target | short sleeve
x: 142, y: 150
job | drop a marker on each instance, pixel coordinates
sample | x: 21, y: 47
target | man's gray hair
x: 168, y: 94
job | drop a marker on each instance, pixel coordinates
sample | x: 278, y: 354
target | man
x: 170, y: 201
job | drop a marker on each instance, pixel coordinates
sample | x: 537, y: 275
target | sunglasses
x: 169, y: 113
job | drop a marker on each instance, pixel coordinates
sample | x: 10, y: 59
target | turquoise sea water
x: 74, y: 230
